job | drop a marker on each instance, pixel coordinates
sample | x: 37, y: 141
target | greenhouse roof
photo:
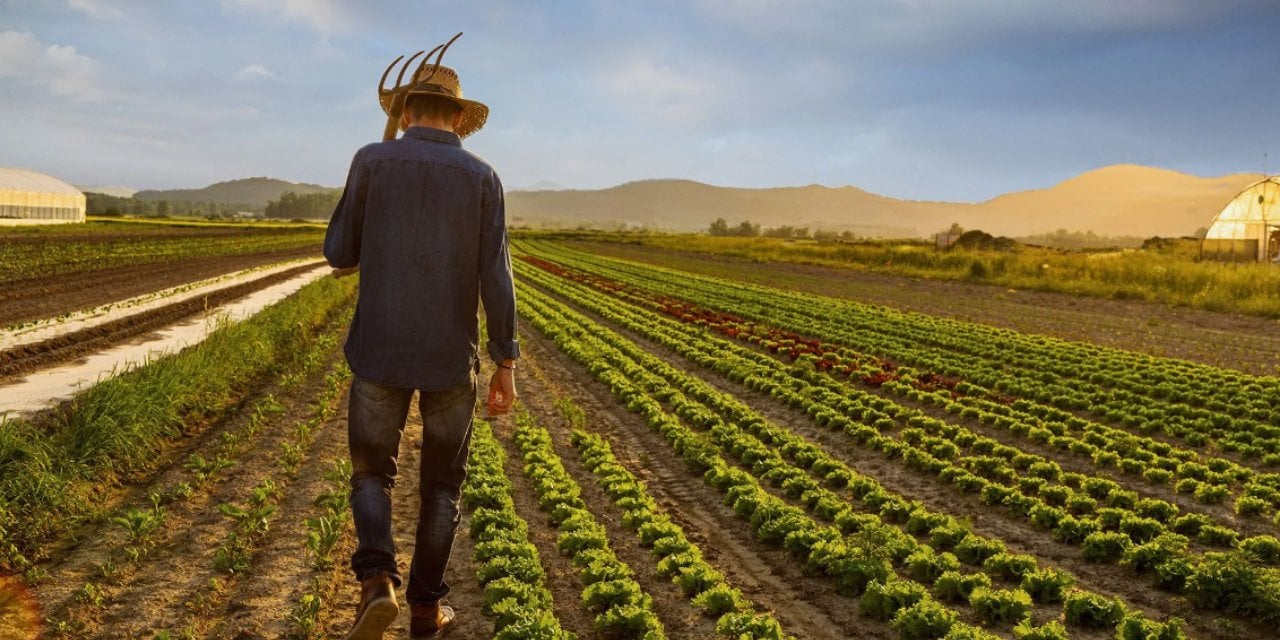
x: 14, y: 179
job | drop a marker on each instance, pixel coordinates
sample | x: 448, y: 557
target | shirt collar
x: 433, y: 135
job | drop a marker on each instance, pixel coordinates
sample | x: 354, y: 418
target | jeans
x: 375, y: 423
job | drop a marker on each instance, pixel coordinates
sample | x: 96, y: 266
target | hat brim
x: 474, y: 114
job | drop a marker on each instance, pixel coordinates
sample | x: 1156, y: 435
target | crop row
x: 860, y: 551
x: 21, y: 260
x: 53, y: 473
x: 621, y: 606
x: 146, y: 527
x: 1196, y: 403
x: 507, y: 563
x: 677, y: 557
x: 1210, y: 480
x: 1049, y: 497
x: 1116, y: 534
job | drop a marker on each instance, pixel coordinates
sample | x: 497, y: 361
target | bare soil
x: 36, y: 298
x: 16, y: 362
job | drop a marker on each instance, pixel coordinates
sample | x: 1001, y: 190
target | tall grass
x: 55, y: 470
x: 1172, y: 275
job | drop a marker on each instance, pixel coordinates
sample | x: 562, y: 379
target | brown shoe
x: 378, y: 609
x: 431, y: 620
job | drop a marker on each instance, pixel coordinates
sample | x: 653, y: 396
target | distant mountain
x: 1115, y: 200
x: 249, y: 192
x: 119, y: 192
x: 543, y: 185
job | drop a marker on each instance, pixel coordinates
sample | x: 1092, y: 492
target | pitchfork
x: 400, y: 91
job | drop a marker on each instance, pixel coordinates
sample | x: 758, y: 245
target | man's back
x: 423, y: 219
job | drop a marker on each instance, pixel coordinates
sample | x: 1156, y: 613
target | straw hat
x: 439, y: 80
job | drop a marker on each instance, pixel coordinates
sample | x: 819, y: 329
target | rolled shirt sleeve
x: 342, y: 237
x: 497, y: 290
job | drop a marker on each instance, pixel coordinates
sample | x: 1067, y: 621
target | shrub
x: 1047, y: 585
x: 1229, y: 582
x: 1189, y: 524
x: 924, y: 620
x: 1104, y: 546
x: 1000, y: 605
x: 925, y: 565
x: 974, y: 550
x: 749, y: 625
x: 719, y: 600
x: 962, y: 631
x: 1250, y: 506
x: 883, y: 600
x: 1218, y: 536
x: 1080, y: 504
x: 1156, y: 508
x: 1212, y: 493
x: 1145, y: 557
x: 1072, y: 530
x: 953, y: 586
x: 1091, y: 610
x: 947, y: 536
x: 1056, y: 494
x: 1136, y: 627
x: 1172, y: 574
x: 1140, y: 529
x: 1046, y: 517
x: 1051, y: 630
x: 1009, y: 566
x: 1261, y: 549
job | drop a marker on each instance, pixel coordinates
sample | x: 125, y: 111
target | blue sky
x: 921, y: 99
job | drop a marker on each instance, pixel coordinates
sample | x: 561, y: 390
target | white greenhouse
x: 27, y: 197
x: 1248, y: 228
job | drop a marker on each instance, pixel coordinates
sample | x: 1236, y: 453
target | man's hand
x: 502, y: 389
x: 339, y: 273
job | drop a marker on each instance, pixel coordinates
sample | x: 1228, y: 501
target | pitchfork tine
x: 382, y: 84
x: 443, y: 48
x: 400, y: 78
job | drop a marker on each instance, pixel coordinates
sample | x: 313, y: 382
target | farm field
x: 1232, y: 340
x: 49, y: 271
x: 692, y: 457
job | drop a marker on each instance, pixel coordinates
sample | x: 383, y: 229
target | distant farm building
x: 1248, y: 228
x: 27, y: 197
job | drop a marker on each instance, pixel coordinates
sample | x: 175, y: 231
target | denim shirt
x: 424, y: 220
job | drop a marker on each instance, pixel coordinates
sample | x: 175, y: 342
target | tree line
x: 101, y: 204
x: 312, y: 205
x: 748, y: 229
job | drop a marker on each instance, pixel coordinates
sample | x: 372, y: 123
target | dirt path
x: 36, y: 298
x: 807, y: 607
x: 1247, y: 343
x: 465, y: 595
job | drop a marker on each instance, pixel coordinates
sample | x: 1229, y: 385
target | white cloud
x: 940, y: 25
x: 60, y: 69
x: 253, y: 72
x: 96, y: 9
x: 321, y: 15
x: 662, y: 94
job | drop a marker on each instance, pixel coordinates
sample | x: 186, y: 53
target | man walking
x: 423, y: 221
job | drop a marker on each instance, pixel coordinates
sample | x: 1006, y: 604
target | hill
x: 254, y: 193
x: 1115, y: 200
